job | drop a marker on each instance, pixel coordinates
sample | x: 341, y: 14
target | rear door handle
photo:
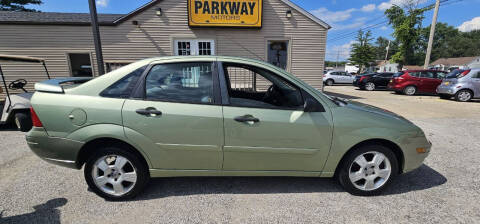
x: 246, y: 118
x: 149, y: 112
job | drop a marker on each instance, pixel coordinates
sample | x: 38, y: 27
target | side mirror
x: 310, y: 106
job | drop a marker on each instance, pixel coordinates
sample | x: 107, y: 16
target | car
x: 337, y: 77
x: 216, y: 116
x: 463, y: 84
x: 373, y: 81
x: 411, y: 82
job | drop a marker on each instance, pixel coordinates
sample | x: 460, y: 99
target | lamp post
x: 96, y: 36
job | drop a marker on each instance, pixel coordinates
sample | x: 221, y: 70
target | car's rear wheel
x: 368, y: 170
x: 410, y: 90
x: 463, y: 95
x: 370, y: 86
x: 115, y: 173
x: 23, y: 121
x: 444, y: 96
x: 329, y: 82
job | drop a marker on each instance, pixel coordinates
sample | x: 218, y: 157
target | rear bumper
x: 448, y: 90
x: 59, y: 151
x: 395, y: 87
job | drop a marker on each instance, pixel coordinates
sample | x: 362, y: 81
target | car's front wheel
x: 116, y: 173
x: 368, y: 170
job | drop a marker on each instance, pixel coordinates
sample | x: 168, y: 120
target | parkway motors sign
x: 225, y: 13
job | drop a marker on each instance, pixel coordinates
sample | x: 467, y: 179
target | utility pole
x: 96, y: 37
x: 336, y: 63
x: 432, y: 33
x: 386, y: 57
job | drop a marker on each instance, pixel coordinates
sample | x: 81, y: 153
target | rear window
x: 455, y: 74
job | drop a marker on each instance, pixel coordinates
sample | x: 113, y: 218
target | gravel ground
x: 446, y: 189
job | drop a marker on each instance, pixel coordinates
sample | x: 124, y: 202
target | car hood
x: 373, y: 109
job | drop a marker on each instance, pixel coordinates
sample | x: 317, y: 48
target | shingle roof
x: 454, y: 61
x: 8, y: 17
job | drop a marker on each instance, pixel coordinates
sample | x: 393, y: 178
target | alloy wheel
x: 370, y: 86
x: 464, y: 96
x: 370, y: 171
x: 410, y: 90
x: 114, y: 175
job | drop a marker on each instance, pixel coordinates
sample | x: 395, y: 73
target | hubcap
x: 410, y: 90
x: 370, y: 86
x: 114, y: 174
x: 329, y: 82
x: 464, y: 96
x: 370, y: 171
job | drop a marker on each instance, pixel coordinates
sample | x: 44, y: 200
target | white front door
x: 194, y: 47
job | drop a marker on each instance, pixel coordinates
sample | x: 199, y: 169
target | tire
x: 115, y: 174
x: 23, y: 121
x: 380, y: 182
x: 444, y: 96
x: 370, y: 86
x: 329, y: 82
x: 410, y: 90
x: 464, y: 95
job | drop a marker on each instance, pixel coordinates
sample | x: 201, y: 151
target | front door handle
x: 149, y: 112
x: 247, y: 118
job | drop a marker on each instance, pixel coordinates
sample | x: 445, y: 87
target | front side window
x: 180, y: 82
x: 124, y: 87
x: 255, y: 87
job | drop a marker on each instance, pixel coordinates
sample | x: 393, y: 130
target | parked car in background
x: 216, y: 116
x: 411, y: 82
x: 337, y: 77
x: 373, y: 81
x: 464, y: 85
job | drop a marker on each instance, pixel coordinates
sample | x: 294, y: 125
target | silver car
x: 337, y: 77
x: 464, y: 85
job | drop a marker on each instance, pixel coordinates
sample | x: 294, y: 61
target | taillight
x: 361, y: 78
x: 35, y: 120
x: 464, y: 73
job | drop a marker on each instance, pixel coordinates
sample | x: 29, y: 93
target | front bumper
x: 59, y: 151
x: 413, y: 159
x: 449, y: 90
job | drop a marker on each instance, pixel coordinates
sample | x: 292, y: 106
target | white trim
x: 194, y: 48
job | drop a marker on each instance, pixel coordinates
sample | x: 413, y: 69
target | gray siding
x: 155, y: 36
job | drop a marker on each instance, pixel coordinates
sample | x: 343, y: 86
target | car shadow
x: 44, y: 213
x: 422, y: 178
x: 345, y: 96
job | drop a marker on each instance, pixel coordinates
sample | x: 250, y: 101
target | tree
x: 381, y: 48
x: 18, y: 5
x: 363, y: 53
x: 406, y: 31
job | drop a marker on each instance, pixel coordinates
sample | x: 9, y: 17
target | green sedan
x: 215, y: 116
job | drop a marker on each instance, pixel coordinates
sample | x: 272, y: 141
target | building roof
x: 9, y: 17
x: 56, y: 18
x: 454, y: 61
x: 412, y: 67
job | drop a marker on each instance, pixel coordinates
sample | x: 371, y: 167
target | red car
x: 411, y: 82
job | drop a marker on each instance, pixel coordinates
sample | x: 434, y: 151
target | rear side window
x: 123, y: 87
x: 414, y: 74
x: 476, y: 76
x: 427, y: 74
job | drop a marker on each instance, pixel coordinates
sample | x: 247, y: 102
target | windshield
x: 455, y: 74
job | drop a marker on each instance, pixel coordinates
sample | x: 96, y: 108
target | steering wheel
x: 272, y: 95
x: 18, y: 84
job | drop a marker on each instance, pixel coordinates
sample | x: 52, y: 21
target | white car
x: 333, y: 77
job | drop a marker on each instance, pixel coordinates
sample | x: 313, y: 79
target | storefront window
x: 278, y: 53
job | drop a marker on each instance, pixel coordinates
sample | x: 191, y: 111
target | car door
x: 177, y: 110
x: 475, y: 79
x: 428, y: 82
x: 266, y: 128
x: 382, y: 79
